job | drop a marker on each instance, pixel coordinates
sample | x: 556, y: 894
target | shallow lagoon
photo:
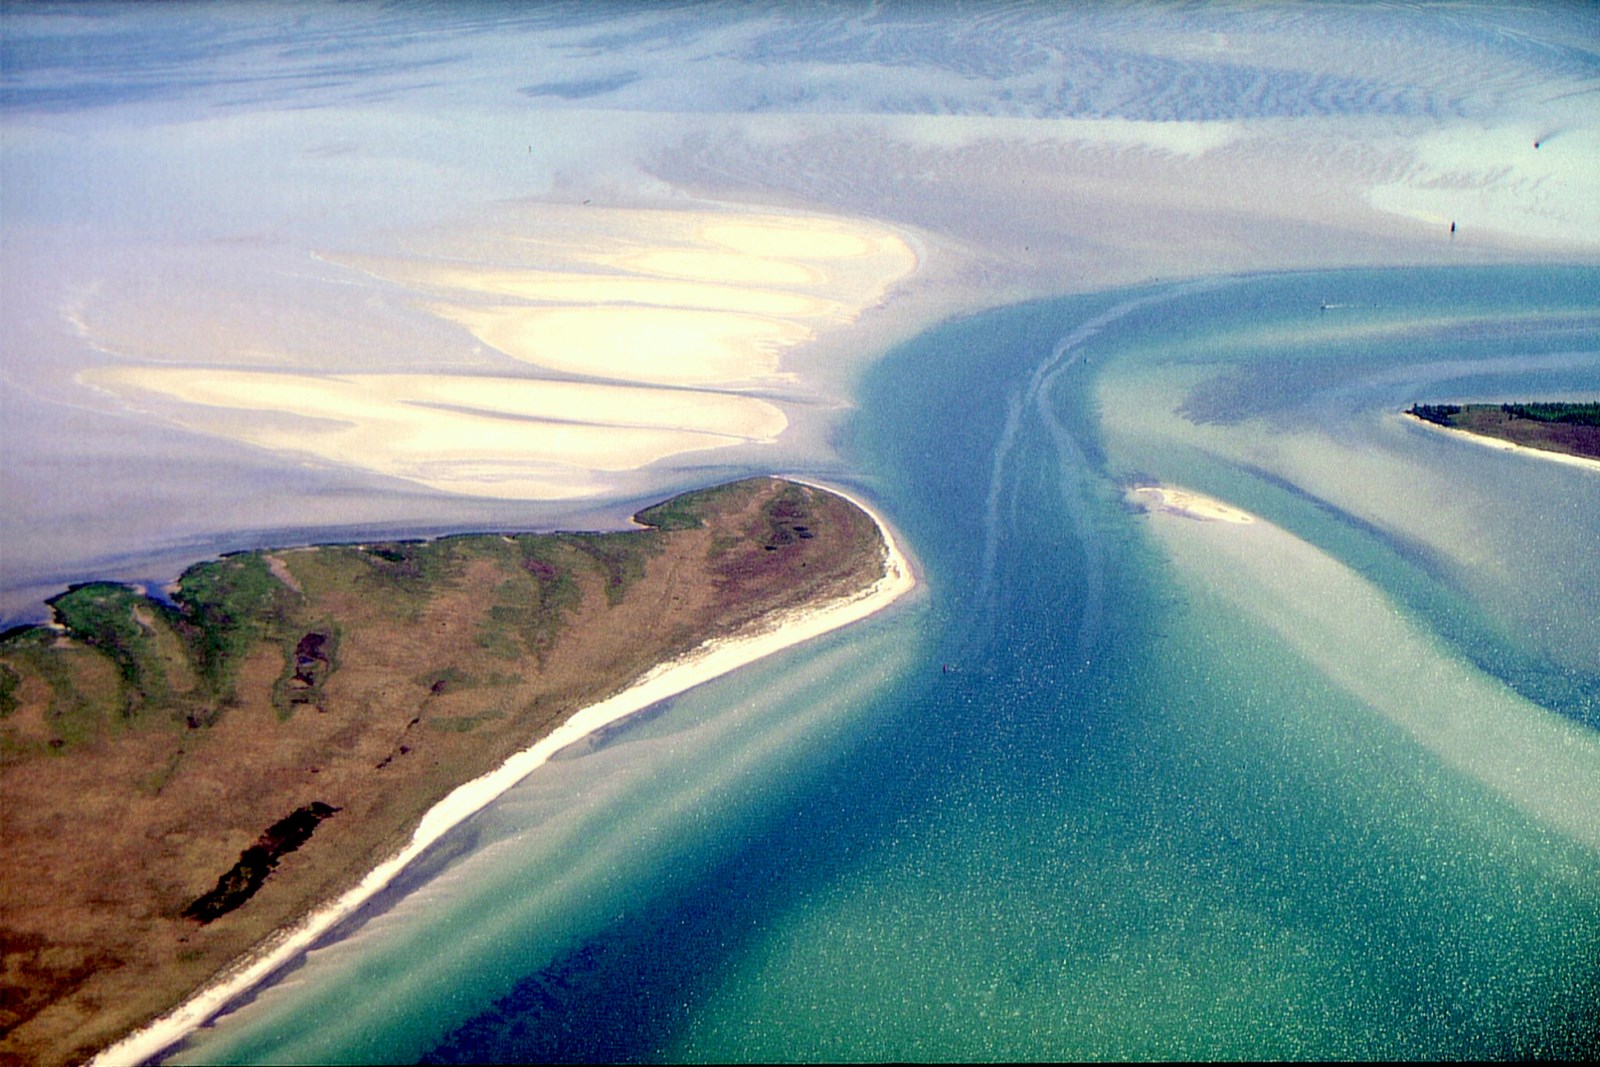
x: 1108, y: 788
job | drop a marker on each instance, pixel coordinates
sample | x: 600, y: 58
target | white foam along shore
x: 1509, y: 446
x: 710, y: 660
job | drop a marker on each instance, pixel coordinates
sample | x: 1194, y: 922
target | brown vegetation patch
x: 1575, y: 431
x: 375, y: 678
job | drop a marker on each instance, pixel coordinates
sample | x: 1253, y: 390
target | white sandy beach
x: 1189, y: 504
x: 1510, y: 446
x: 711, y: 660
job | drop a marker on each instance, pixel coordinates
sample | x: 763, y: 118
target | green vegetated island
x: 181, y: 777
x: 1569, y: 428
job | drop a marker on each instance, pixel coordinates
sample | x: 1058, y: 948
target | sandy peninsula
x: 710, y: 660
x: 409, y: 724
x: 1501, y: 445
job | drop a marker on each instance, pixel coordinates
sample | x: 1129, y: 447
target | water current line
x: 1075, y: 485
x: 1071, y: 459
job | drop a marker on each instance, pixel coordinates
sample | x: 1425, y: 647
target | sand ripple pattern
x: 608, y: 340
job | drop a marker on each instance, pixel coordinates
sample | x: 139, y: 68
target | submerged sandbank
x: 711, y: 660
x: 1349, y: 630
x: 551, y: 351
x: 520, y: 438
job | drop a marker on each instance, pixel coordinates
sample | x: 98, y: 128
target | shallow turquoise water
x: 1081, y: 799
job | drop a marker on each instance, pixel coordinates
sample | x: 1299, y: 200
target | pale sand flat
x: 574, y: 288
x: 484, y: 436
x: 710, y: 299
x: 347, y: 398
x: 725, y: 267
x: 791, y: 239
x: 1189, y: 504
x: 636, y: 344
x: 1547, y: 195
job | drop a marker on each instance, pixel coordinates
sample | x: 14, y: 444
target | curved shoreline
x: 1503, y: 445
x: 710, y: 660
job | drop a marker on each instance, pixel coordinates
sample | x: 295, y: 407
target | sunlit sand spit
x: 493, y: 436
x: 1189, y: 504
x: 678, y: 346
x: 709, y: 661
x: 667, y: 297
x: 731, y: 267
x: 549, y: 287
x: 656, y: 308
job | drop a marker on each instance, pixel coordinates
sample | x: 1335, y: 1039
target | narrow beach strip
x: 1507, y: 446
x: 711, y: 660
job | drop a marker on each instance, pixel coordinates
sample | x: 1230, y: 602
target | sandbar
x: 710, y: 660
x: 674, y: 323
x: 479, y: 435
x: 1187, y: 503
x: 589, y: 288
x: 658, y: 346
